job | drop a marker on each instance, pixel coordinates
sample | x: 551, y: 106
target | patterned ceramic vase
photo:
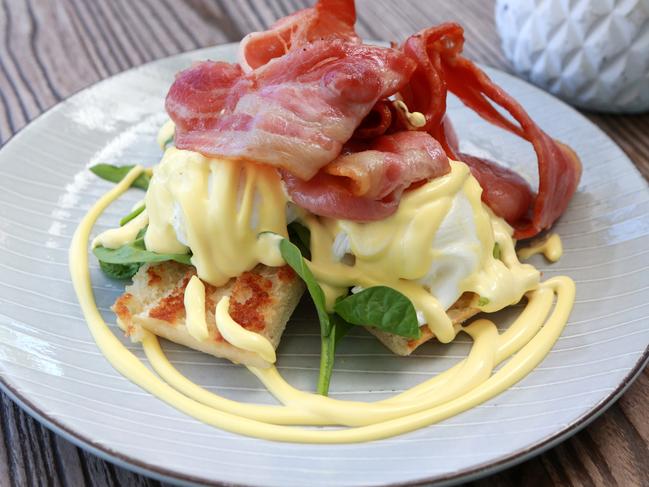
x: 592, y: 53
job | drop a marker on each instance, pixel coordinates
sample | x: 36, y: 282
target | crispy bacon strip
x: 376, y: 123
x: 327, y: 19
x: 368, y: 185
x: 391, y: 165
x: 295, y: 112
x: 186, y: 99
x: 509, y: 195
x: 440, y: 67
x: 308, y: 89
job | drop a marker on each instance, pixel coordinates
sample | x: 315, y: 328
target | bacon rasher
x: 327, y: 19
x: 367, y: 184
x: 309, y: 98
x: 295, y: 112
x: 441, y: 68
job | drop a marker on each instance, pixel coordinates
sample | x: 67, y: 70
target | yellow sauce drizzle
x: 472, y: 381
x: 116, y: 237
x: 551, y: 248
x: 415, y: 119
x: 222, y: 205
x: 238, y: 336
x: 194, y: 300
x: 165, y: 133
x: 397, y: 251
x: 139, y: 204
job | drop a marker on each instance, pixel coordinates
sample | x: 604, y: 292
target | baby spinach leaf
x: 300, y: 236
x: 293, y: 258
x: 136, y: 253
x: 339, y: 327
x: 131, y: 215
x: 120, y: 271
x: 380, y: 307
x: 327, y: 357
x: 115, y: 174
x: 332, y: 327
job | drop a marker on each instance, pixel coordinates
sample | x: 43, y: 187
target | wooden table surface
x: 53, y: 48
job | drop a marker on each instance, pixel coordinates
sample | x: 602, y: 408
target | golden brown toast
x: 459, y: 313
x: 261, y: 300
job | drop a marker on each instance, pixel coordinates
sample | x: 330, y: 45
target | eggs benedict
x: 322, y: 163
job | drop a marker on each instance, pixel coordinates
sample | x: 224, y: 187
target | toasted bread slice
x: 261, y: 300
x: 459, y: 313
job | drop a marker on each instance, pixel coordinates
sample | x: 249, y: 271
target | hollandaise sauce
x: 238, y: 336
x: 194, y: 301
x: 550, y: 247
x: 397, y: 252
x: 215, y: 208
x: 514, y: 352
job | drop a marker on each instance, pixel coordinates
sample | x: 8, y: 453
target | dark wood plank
x: 43, y: 42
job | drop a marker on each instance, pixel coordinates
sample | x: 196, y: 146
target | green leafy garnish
x: 135, y: 252
x: 115, y: 174
x: 131, y: 215
x: 497, y: 251
x: 340, y: 327
x: 120, y: 271
x: 329, y: 331
x: 291, y: 254
x: 123, y: 262
x: 300, y: 236
x: 483, y: 301
x: 381, y: 307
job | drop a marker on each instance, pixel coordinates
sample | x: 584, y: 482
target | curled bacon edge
x: 326, y: 19
x: 441, y: 68
x: 367, y: 184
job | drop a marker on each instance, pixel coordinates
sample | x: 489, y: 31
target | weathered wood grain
x: 50, y: 49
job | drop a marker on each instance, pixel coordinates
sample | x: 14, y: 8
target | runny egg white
x: 437, y: 246
x: 178, y: 219
x: 456, y: 248
x: 216, y: 208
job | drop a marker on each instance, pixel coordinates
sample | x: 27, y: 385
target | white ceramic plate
x: 50, y: 364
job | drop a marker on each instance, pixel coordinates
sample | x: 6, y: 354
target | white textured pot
x: 592, y: 53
